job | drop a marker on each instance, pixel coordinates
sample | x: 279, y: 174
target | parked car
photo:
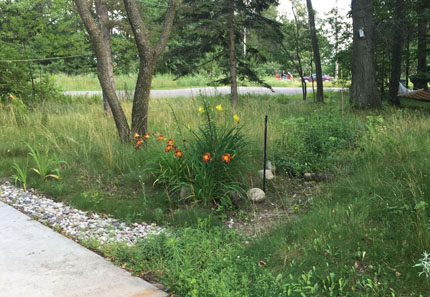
x: 325, y: 77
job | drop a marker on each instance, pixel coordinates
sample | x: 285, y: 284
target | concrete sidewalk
x: 35, y: 261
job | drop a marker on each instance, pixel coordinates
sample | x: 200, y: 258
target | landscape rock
x: 256, y: 195
x: 270, y: 166
x: 74, y: 222
x: 269, y: 174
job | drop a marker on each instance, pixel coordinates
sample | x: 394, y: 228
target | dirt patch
x: 285, y: 198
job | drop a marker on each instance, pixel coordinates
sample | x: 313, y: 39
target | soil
x: 285, y: 198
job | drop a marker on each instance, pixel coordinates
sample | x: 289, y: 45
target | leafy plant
x: 20, y: 176
x: 46, y: 167
x: 313, y: 144
x: 210, y: 163
x: 424, y: 264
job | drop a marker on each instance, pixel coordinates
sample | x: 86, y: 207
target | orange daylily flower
x: 226, y: 158
x: 136, y: 135
x: 179, y: 154
x: 146, y: 136
x: 170, y: 142
x: 207, y: 157
x: 168, y: 148
x: 161, y: 137
x: 139, y: 143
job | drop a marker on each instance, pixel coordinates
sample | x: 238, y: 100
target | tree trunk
x: 102, y: 68
x: 382, y: 74
x: 103, y: 18
x: 141, y: 98
x: 300, y: 66
x: 422, y: 46
x: 396, y: 56
x: 408, y: 56
x: 232, y: 54
x: 364, y: 93
x: 315, y: 47
x: 148, y: 56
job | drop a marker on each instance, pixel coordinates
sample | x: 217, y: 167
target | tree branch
x: 139, y: 29
x: 167, y: 28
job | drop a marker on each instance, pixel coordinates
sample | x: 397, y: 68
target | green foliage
x: 210, y: 180
x: 201, y: 43
x: 314, y: 143
x: 372, y: 223
x: 424, y: 264
x: 20, y: 176
x: 45, y: 165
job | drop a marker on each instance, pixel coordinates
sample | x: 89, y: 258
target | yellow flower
x: 202, y: 110
x: 236, y: 118
x: 219, y: 107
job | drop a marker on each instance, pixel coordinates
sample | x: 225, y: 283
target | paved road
x: 38, y: 262
x: 209, y: 91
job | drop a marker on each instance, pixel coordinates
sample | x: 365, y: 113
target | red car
x: 314, y: 77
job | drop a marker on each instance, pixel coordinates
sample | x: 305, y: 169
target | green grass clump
x: 371, y: 226
x: 316, y: 142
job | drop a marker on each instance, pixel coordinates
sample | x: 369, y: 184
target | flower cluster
x: 221, y: 109
x: 169, y: 147
x: 140, y: 139
x: 226, y: 158
x: 170, y: 143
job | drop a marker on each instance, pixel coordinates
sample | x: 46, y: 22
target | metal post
x: 265, y: 151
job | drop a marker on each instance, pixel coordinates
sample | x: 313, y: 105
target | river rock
x: 256, y: 195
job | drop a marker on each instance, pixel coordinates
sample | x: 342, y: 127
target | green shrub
x: 314, y: 143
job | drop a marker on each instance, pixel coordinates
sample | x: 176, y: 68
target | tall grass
x: 79, y: 133
x: 89, y: 82
x: 362, y: 236
x: 371, y: 225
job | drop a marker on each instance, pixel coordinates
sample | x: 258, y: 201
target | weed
x: 424, y: 263
x: 20, y: 176
x: 46, y: 166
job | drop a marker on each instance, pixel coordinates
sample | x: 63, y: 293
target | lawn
x: 357, y: 235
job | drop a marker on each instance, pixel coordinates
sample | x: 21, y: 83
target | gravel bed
x: 72, y: 222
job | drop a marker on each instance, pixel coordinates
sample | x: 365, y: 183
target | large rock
x: 256, y: 195
x: 269, y: 174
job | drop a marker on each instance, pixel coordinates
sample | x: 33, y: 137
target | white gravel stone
x: 73, y: 222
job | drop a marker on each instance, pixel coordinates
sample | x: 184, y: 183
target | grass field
x: 359, y: 235
x: 89, y: 82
